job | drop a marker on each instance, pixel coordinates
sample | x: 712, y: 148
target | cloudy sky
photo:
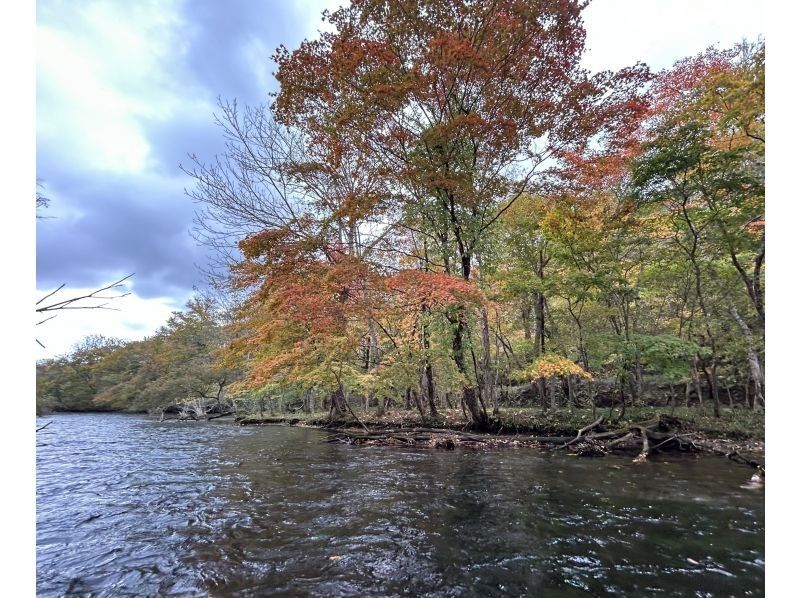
x: 125, y: 90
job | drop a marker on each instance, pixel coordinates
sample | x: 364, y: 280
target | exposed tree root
x: 658, y: 435
x: 591, y: 426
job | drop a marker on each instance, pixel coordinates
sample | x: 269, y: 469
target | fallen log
x: 664, y: 442
x: 226, y: 414
x: 549, y: 439
x: 409, y: 436
x: 733, y: 455
x: 619, y: 440
x: 602, y: 435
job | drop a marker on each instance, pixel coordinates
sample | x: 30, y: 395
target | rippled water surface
x: 126, y: 505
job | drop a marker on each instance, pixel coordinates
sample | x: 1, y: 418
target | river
x: 130, y: 506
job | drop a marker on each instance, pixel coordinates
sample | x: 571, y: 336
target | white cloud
x: 136, y: 318
x: 101, y: 67
x: 81, y: 114
x: 258, y: 55
x: 659, y: 32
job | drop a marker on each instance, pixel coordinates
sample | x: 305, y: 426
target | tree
x: 701, y: 171
x: 459, y: 105
x: 180, y: 363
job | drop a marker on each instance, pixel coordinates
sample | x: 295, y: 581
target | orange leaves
x: 585, y: 173
x: 415, y: 289
x: 672, y: 86
x: 354, y: 51
x: 755, y: 227
x: 270, y: 243
x: 279, y: 245
x: 304, y: 324
x: 452, y: 49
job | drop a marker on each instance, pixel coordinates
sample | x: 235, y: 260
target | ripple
x: 129, y: 506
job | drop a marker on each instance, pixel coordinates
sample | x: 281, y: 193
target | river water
x: 129, y: 506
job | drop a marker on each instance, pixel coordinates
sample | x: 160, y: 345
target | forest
x: 442, y: 212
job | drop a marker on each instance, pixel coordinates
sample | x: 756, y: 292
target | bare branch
x: 68, y: 303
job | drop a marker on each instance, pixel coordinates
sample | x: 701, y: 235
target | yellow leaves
x: 551, y: 365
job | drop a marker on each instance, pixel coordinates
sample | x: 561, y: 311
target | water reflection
x: 127, y: 505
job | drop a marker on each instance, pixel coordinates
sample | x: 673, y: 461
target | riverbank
x: 734, y: 424
x: 738, y: 433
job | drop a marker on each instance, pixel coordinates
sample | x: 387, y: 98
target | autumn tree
x: 459, y: 105
x: 701, y: 171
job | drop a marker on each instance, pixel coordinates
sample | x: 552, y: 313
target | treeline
x: 443, y: 209
x: 177, y: 364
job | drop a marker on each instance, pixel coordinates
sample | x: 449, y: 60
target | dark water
x: 128, y: 506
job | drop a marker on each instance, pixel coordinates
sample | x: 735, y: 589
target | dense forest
x: 441, y: 209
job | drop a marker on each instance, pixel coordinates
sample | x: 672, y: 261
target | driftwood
x: 196, y: 410
x: 660, y: 434
x: 645, y: 446
x: 435, y: 437
x: 583, y: 430
x: 217, y: 416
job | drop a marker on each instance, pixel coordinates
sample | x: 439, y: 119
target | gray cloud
x: 173, y: 140
x: 128, y: 224
x: 112, y: 222
x: 221, y: 34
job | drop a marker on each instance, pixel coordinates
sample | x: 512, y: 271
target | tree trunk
x: 479, y: 417
x: 756, y: 372
x: 540, y: 386
x: 430, y: 390
x: 696, y: 377
x: 372, y: 364
x: 747, y: 395
x: 337, y: 405
x: 418, y: 402
x: 427, y: 385
x: 538, y: 336
x: 487, y: 376
x: 573, y: 400
x: 713, y: 386
x: 526, y: 319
